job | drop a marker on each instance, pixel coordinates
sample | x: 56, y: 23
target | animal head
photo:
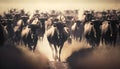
x: 114, y: 25
x: 25, y: 18
x: 42, y: 20
x: 17, y: 16
x: 113, y: 22
x: 96, y: 25
x: 96, y: 22
x: 8, y: 16
x: 59, y: 25
x: 78, y: 22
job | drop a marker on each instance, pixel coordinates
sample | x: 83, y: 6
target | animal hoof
x: 56, y: 58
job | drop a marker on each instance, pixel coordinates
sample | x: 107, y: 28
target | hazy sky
x: 59, y: 4
x: 60, y: 1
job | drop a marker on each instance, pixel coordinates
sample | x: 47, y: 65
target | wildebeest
x: 119, y: 30
x: 92, y: 32
x: 25, y: 19
x: 42, y: 28
x: 56, y: 36
x: 48, y: 23
x: 30, y: 34
x: 25, y: 36
x: 9, y: 28
x: 77, y: 30
x: 109, y: 31
x: 19, y: 25
x: 88, y: 16
x: 2, y: 35
x: 69, y: 21
x: 17, y: 31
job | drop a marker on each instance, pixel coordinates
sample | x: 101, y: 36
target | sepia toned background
x: 59, y: 4
x: 46, y: 5
x: 75, y: 51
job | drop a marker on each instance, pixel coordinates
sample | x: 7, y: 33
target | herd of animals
x: 20, y: 28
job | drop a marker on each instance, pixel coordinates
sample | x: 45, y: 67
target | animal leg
x: 53, y: 55
x: 30, y: 46
x: 56, y: 52
x: 60, y: 52
x: 35, y: 39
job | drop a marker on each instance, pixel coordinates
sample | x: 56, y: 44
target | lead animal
x: 57, y: 35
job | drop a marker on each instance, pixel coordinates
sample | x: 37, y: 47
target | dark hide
x: 58, y: 37
x: 17, y: 33
x: 42, y: 28
x: 9, y: 28
x: 77, y: 32
x: 2, y: 35
x: 33, y: 34
x: 88, y: 17
x: 92, y: 34
x: 25, y: 18
x: 109, y: 34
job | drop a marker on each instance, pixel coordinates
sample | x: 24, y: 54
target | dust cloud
x: 68, y: 49
x: 78, y: 55
x: 102, y: 57
x: 19, y: 57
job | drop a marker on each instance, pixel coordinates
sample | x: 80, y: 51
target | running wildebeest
x: 56, y: 36
x: 92, y: 32
x: 2, y: 35
x: 8, y: 21
x: 20, y: 25
x: 109, y: 32
x: 88, y: 16
x: 77, y: 30
x: 17, y: 31
x: 42, y: 28
x: 30, y: 37
x: 119, y: 30
x: 69, y: 21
